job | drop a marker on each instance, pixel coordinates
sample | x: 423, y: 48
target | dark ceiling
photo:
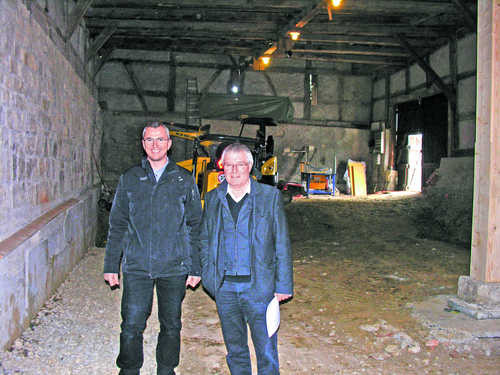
x: 373, y: 36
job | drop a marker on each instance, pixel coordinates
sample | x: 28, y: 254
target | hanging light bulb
x: 294, y: 35
x: 265, y: 59
x: 336, y: 3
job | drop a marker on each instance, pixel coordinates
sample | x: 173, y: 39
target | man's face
x: 156, y: 143
x: 237, y: 169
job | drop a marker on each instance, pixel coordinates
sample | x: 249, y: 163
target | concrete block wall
x: 50, y: 128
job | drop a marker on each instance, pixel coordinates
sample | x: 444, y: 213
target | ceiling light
x: 235, y: 89
x: 266, y: 59
x: 294, y: 35
x: 336, y: 3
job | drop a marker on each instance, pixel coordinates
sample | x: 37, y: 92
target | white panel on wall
x: 152, y: 77
x: 325, y: 111
x: 123, y: 102
x: 466, y: 95
x: 328, y: 89
x: 355, y: 113
x: 466, y: 53
x: 417, y: 76
x: 398, y: 82
x: 298, y: 109
x: 114, y: 75
x: 379, y: 110
x: 291, y: 85
x: 440, y: 61
x: 357, y: 89
x: 219, y: 86
x: 379, y: 88
x: 466, y: 134
x: 203, y: 76
x: 256, y: 84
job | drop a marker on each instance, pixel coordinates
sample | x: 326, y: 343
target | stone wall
x: 50, y: 131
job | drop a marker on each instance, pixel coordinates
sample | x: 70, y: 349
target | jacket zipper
x: 236, y: 241
x: 151, y: 236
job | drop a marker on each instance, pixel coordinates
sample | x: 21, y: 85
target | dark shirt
x: 236, y: 253
x: 235, y: 207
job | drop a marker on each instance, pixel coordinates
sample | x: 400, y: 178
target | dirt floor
x: 359, y: 272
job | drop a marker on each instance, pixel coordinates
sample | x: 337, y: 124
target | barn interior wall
x: 417, y: 87
x: 50, y: 131
x: 412, y: 84
x: 342, y: 97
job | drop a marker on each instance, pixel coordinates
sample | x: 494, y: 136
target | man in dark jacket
x: 246, y: 260
x: 154, y: 233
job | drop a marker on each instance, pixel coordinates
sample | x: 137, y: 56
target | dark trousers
x: 137, y: 302
x: 236, y: 307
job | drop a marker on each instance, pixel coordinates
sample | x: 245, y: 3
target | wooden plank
x: 357, y: 177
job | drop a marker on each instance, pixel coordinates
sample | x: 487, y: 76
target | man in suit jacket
x: 246, y: 260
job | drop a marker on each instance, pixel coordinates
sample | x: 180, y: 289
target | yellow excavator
x: 206, y: 166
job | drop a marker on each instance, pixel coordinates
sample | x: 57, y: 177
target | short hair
x: 238, y: 147
x: 155, y: 124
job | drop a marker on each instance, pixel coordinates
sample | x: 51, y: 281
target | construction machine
x: 206, y: 165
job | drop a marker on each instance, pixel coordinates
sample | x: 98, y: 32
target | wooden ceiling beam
x: 370, y: 60
x: 99, y: 41
x: 379, y: 40
x: 227, y: 66
x: 199, y: 4
x: 354, y: 50
x: 469, y: 16
x: 377, y: 30
x: 75, y: 17
x: 436, y: 79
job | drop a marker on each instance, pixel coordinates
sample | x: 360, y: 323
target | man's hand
x: 112, y: 279
x: 192, y: 281
x: 282, y: 297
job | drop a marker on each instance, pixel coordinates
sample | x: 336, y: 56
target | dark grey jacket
x: 154, y: 227
x: 270, y: 252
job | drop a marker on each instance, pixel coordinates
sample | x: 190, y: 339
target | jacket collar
x: 149, y: 170
x: 254, y: 189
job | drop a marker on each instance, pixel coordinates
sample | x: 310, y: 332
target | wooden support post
x: 485, y: 257
x: 307, y: 91
x: 482, y: 287
x: 452, y: 106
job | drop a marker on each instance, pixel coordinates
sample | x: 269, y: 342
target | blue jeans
x: 236, y: 307
x: 137, y: 302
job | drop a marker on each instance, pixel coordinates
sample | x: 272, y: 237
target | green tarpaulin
x: 232, y: 107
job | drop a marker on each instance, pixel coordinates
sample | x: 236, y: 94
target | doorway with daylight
x: 421, y: 128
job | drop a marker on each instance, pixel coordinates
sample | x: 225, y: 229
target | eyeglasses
x: 229, y: 166
x: 150, y: 141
